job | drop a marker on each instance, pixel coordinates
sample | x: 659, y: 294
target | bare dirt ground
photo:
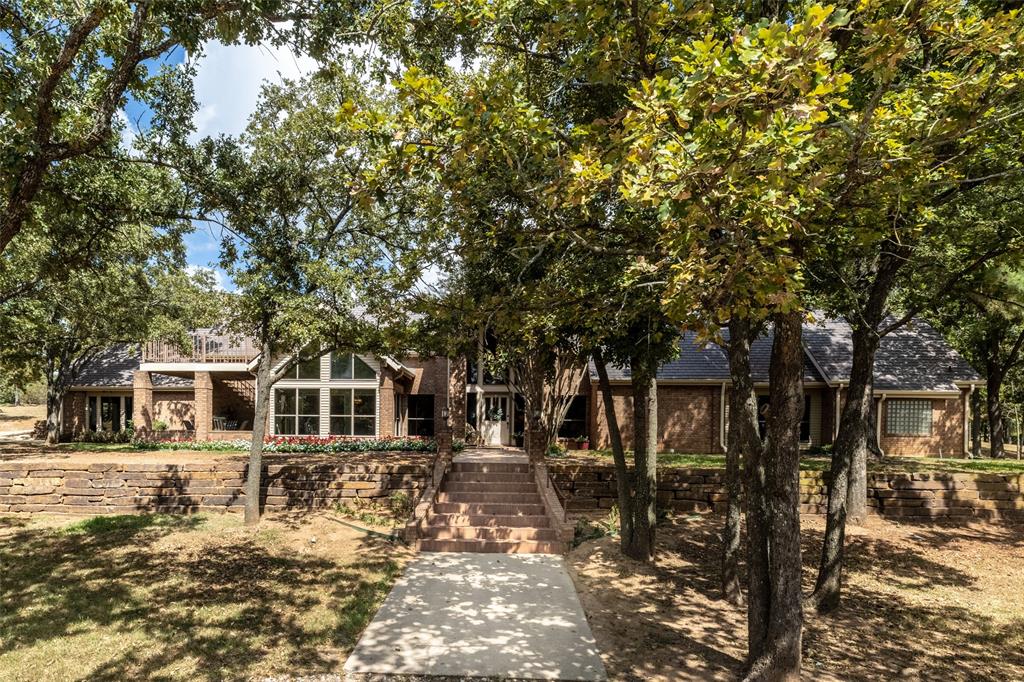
x: 922, y: 602
x: 21, y: 418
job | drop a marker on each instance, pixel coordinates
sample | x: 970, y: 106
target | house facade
x: 922, y: 393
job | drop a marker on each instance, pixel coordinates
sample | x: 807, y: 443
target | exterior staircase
x: 492, y: 506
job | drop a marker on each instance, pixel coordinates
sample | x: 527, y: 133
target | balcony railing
x: 205, y: 348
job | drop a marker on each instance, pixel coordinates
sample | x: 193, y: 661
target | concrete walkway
x: 481, y: 615
x: 491, y: 454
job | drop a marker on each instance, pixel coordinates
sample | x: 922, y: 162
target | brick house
x: 922, y: 390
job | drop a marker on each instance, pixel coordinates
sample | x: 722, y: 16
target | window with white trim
x: 350, y: 366
x: 296, y: 411
x: 353, y: 412
x: 908, y: 417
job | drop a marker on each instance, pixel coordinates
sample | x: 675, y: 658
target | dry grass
x: 185, y: 598
x: 922, y: 602
x: 21, y: 418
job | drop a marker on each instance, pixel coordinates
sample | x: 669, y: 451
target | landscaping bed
x: 921, y: 602
x: 186, y: 597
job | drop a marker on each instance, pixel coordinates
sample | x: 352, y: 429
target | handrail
x: 205, y: 348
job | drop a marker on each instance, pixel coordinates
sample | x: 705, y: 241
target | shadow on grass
x: 228, y: 609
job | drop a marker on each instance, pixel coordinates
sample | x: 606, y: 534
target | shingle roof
x: 913, y: 358
x: 693, y: 362
x: 114, y: 368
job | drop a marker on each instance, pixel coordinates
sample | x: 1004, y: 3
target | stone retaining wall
x: 589, y: 487
x: 124, y: 488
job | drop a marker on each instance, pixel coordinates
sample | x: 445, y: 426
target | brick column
x: 386, y: 408
x: 457, y: 396
x: 204, y: 405
x: 443, y: 436
x: 142, y: 401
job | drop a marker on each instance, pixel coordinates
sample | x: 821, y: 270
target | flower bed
x: 298, y: 444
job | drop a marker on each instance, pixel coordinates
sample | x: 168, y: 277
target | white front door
x: 496, y: 420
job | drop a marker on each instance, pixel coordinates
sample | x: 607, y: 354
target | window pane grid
x: 353, y: 412
x: 297, y: 411
x: 908, y: 417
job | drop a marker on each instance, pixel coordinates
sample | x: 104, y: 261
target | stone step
x: 492, y: 546
x: 488, y: 487
x: 461, y: 520
x: 485, y: 477
x: 489, y: 509
x: 500, y: 533
x: 489, y: 497
x: 491, y: 467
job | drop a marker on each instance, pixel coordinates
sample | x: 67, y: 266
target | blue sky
x: 227, y: 87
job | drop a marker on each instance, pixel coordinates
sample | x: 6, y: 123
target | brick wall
x: 431, y: 379
x: 688, y: 417
x: 75, y: 417
x: 174, y: 408
x: 946, y: 438
x: 589, y: 488
x: 125, y: 488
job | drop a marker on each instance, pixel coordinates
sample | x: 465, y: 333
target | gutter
x: 878, y: 424
x: 838, y: 412
x: 721, y: 421
x: 967, y: 421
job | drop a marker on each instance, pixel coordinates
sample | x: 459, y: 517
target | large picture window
x: 908, y: 417
x: 353, y: 412
x: 307, y: 370
x: 297, y: 411
x: 421, y: 415
x: 350, y: 366
x: 574, y: 425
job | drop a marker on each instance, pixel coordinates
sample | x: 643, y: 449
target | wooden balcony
x: 217, y: 348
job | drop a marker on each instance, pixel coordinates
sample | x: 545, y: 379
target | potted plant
x: 584, y: 443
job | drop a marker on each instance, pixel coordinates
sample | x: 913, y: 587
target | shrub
x: 298, y: 444
x: 159, y: 425
x: 556, y: 450
x: 126, y: 435
x: 400, y: 504
x: 348, y: 444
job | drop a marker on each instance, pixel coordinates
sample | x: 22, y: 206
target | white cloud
x: 219, y: 278
x: 229, y: 79
x: 128, y: 132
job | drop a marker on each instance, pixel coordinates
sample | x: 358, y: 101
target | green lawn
x: 818, y: 463
x: 185, y: 597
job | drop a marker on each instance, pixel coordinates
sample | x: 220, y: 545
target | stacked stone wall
x: 923, y: 495
x: 124, y: 488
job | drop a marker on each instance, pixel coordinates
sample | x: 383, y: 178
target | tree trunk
x: 776, y: 656
x: 849, y: 453
x: 254, y: 478
x: 645, y: 467
x: 743, y: 440
x: 623, y: 482
x: 54, y: 399
x: 975, y: 423
x: 996, y: 427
